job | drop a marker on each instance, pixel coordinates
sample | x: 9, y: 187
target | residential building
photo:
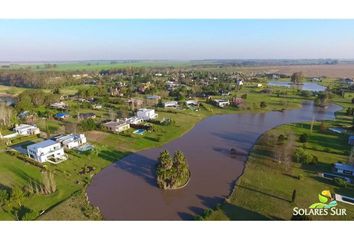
x: 344, y: 169
x: 71, y: 141
x: 83, y: 116
x: 61, y: 115
x: 46, y: 150
x: 146, y: 114
x: 59, y: 105
x: 25, y: 130
x: 134, y: 120
x: 351, y: 140
x: 172, y: 104
x: 97, y: 106
x: 116, y: 126
x: 221, y: 102
x: 192, y: 103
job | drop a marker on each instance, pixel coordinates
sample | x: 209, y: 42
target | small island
x: 172, y: 172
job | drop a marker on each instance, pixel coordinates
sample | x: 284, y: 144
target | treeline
x: 36, y: 79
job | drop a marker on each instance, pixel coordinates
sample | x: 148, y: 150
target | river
x: 307, y: 86
x: 126, y: 190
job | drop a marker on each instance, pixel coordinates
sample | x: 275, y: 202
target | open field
x: 331, y: 71
x: 97, y: 65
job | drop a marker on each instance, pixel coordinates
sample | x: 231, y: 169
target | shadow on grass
x: 234, y: 212
x: 112, y: 155
x: 264, y: 193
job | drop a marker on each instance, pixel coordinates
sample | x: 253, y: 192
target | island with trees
x: 172, y: 172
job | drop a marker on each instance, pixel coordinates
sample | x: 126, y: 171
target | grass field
x: 100, y: 65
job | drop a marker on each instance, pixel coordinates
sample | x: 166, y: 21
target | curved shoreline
x: 135, y: 164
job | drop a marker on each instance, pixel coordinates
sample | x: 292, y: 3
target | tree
x: 323, y: 127
x: 165, y: 160
x: 17, y: 196
x: 263, y: 104
x: 172, y: 172
x: 293, y: 197
x: 303, y: 156
x: 4, y: 196
x: 6, y: 115
x: 48, y: 181
x: 88, y: 125
x: 303, y: 138
x: 297, y: 78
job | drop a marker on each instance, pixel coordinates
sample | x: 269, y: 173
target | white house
x: 146, y: 114
x: 239, y: 82
x: 116, y: 126
x: 46, y: 150
x: 25, y: 130
x: 221, y: 102
x: 59, y: 105
x: 71, y: 141
x: 192, y: 103
x: 170, y: 104
x: 134, y: 120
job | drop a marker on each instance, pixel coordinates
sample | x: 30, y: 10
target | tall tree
x: 297, y: 78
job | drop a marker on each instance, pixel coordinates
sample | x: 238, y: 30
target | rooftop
x: 344, y: 166
x: 45, y: 143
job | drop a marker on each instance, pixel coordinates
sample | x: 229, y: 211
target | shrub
x: 4, y: 196
x: 341, y: 182
x: 281, y: 139
x: 244, y: 96
x: 88, y: 125
x: 263, y: 104
x: 323, y: 127
x: 303, y: 138
x: 303, y: 156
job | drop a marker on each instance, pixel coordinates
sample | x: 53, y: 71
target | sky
x: 70, y: 40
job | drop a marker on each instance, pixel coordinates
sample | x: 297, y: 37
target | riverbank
x: 265, y: 189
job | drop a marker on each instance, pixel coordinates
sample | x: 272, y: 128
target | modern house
x: 97, y: 106
x: 344, y: 169
x: 46, y: 150
x: 61, y: 115
x: 171, y: 104
x: 116, y: 126
x: 25, y: 130
x: 83, y: 116
x: 134, y: 120
x: 71, y: 141
x: 59, y: 105
x: 221, y: 102
x: 146, y: 114
x: 192, y: 103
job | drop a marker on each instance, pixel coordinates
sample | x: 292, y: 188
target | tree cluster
x: 172, y: 172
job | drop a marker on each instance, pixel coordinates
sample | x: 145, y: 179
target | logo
x: 326, y: 200
x: 325, y: 207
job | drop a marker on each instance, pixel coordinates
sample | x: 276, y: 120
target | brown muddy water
x: 127, y: 190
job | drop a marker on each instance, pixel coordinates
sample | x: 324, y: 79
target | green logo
x: 326, y: 200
